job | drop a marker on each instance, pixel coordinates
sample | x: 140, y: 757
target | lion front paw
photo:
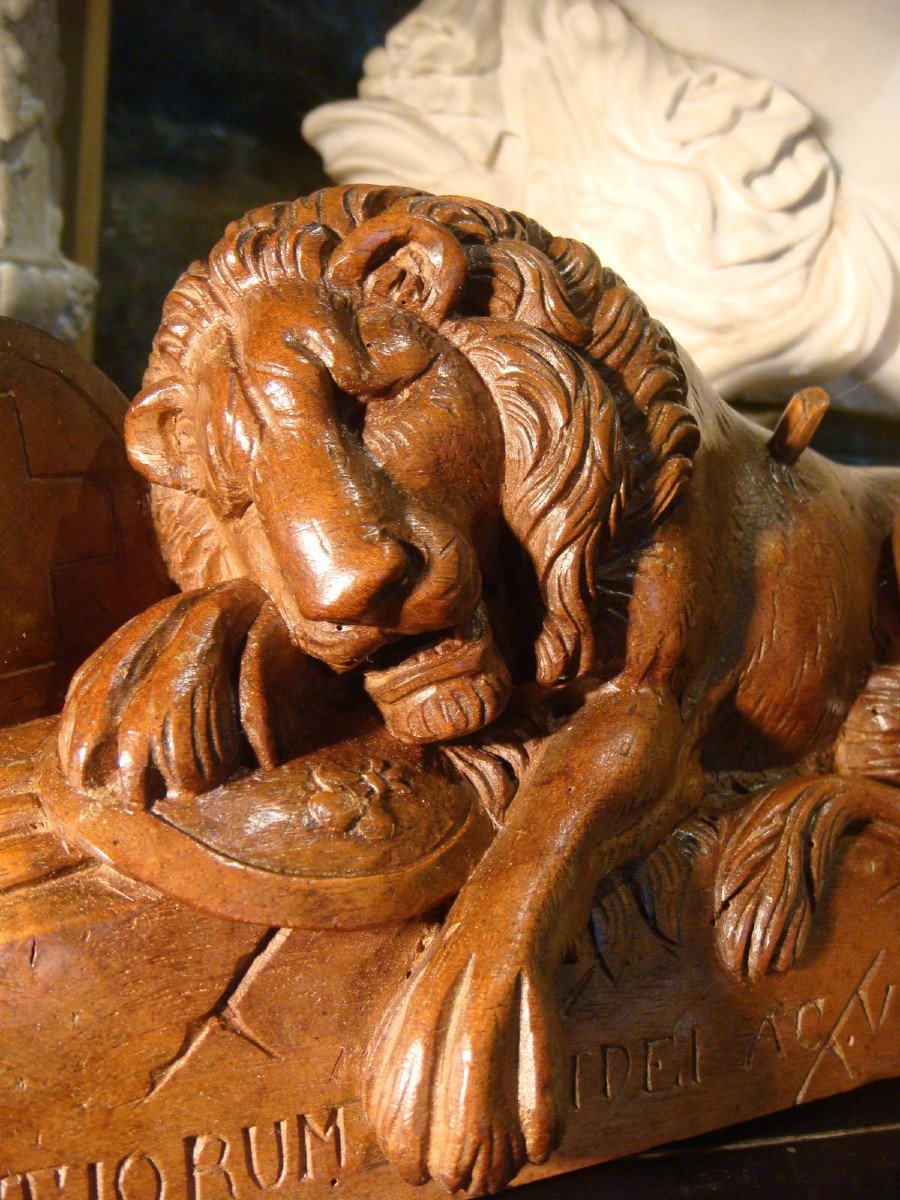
x: 466, y: 1078
x: 158, y: 699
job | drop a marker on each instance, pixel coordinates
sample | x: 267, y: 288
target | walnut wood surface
x: 339, y: 838
x: 444, y: 500
x: 145, y: 1041
x: 77, y: 554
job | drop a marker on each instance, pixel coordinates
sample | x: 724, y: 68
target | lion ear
x: 410, y: 261
x: 159, y: 439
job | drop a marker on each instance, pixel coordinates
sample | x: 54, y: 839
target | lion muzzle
x: 448, y: 690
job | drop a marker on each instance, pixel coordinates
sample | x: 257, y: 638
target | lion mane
x: 589, y: 389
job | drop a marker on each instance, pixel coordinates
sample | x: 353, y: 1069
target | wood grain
x: 144, y: 1039
x: 77, y: 555
x: 496, y: 625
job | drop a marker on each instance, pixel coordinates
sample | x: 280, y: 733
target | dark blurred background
x: 204, y: 109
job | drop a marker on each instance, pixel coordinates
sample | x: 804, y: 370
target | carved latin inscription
x: 267, y: 1159
x: 644, y: 1066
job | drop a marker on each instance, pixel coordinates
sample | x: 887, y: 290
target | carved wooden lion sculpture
x: 423, y: 442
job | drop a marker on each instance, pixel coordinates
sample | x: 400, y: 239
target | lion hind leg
x: 869, y: 741
x: 776, y: 863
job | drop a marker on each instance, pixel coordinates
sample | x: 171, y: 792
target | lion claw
x: 465, y: 1080
x: 159, y: 697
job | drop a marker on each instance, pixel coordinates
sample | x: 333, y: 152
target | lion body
x: 773, y: 593
x: 374, y: 416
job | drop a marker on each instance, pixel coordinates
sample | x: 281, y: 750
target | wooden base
x: 152, y: 1052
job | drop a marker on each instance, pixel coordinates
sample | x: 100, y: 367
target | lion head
x: 408, y: 419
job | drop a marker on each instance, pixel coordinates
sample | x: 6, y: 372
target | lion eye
x: 232, y: 436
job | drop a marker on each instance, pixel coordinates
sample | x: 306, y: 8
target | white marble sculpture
x: 37, y: 283
x: 710, y: 189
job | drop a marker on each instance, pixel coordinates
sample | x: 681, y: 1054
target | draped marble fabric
x: 710, y: 190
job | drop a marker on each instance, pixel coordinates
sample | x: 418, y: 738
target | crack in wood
x: 830, y: 1044
x: 225, y: 1013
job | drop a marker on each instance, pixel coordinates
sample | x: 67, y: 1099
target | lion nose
x: 322, y: 511
x: 356, y: 583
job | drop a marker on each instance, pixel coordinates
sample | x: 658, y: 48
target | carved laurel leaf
x: 612, y: 923
x: 496, y: 761
x: 777, y: 861
x: 869, y: 743
x: 655, y: 891
x: 661, y: 881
